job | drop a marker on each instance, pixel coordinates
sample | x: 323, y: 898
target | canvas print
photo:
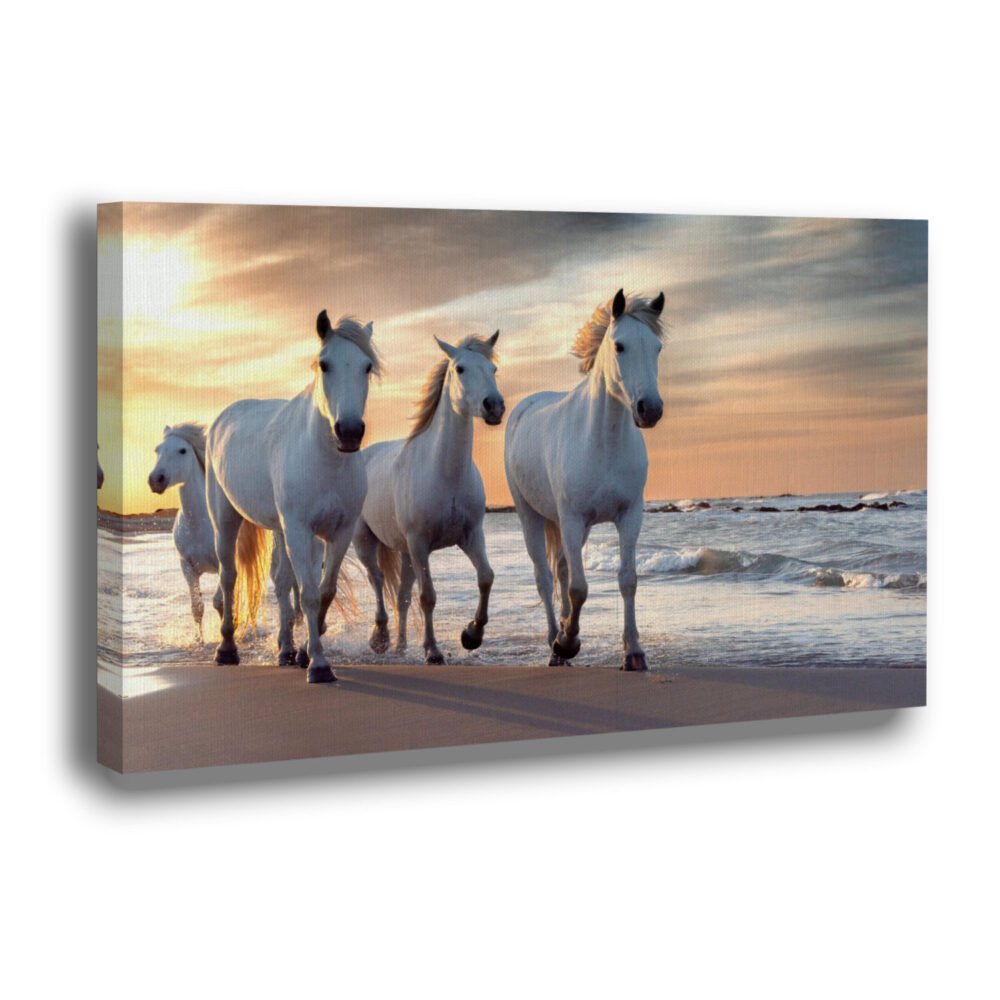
x: 377, y: 479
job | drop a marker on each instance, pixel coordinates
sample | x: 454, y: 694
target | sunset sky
x: 796, y: 359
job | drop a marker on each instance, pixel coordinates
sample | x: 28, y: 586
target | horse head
x: 471, y: 379
x: 345, y: 363
x: 630, y: 357
x: 178, y: 458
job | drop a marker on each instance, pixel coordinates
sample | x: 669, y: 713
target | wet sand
x: 209, y: 715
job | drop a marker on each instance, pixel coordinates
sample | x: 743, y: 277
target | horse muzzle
x: 493, y: 410
x: 157, y: 482
x: 348, y: 434
x: 647, y: 413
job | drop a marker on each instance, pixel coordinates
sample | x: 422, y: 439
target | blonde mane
x: 430, y: 393
x: 194, y: 434
x: 591, y: 334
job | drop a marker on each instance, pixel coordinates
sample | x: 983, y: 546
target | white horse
x: 181, y: 462
x: 425, y: 493
x: 576, y: 459
x: 292, y: 467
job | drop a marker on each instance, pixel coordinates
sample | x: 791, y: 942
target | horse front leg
x: 316, y: 549
x: 226, y: 521
x: 420, y: 557
x: 567, y: 643
x: 193, y: 579
x: 628, y: 536
x: 475, y: 548
x: 404, y: 595
x: 301, y: 551
x: 533, y: 529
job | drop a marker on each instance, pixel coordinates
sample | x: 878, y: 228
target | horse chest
x: 448, y: 521
x: 605, y: 489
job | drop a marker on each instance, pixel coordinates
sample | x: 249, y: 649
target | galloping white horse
x: 181, y: 462
x: 576, y: 459
x: 425, y: 493
x: 292, y: 467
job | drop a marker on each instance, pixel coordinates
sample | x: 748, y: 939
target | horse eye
x: 184, y: 451
x: 323, y: 366
x: 368, y: 370
x: 619, y: 346
x: 459, y: 369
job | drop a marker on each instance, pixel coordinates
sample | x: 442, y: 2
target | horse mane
x: 194, y: 434
x: 357, y: 333
x: 430, y: 393
x: 591, y: 334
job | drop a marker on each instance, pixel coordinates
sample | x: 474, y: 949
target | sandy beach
x: 209, y: 715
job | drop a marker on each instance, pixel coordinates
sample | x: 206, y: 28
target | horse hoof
x: 302, y: 658
x: 379, y: 640
x: 565, y: 647
x: 288, y: 658
x: 227, y: 657
x: 555, y: 660
x: 434, y: 658
x: 472, y: 638
x: 321, y: 675
x: 635, y: 661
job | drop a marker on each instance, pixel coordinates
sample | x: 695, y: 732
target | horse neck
x: 450, y: 438
x: 318, y: 432
x: 192, y: 495
x: 609, y: 421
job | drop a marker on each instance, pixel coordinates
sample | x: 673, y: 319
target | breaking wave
x: 705, y: 561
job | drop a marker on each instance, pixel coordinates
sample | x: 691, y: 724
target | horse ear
x: 657, y: 304
x: 369, y: 326
x: 166, y: 431
x: 618, y: 306
x: 322, y: 324
x: 493, y: 340
x: 447, y: 348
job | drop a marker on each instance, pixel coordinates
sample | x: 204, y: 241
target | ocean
x: 736, y: 581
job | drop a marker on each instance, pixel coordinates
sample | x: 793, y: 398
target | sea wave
x: 706, y: 561
x: 826, y: 577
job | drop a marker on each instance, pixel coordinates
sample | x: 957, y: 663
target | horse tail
x: 390, y: 564
x: 346, y: 601
x: 253, y: 558
x: 553, y: 546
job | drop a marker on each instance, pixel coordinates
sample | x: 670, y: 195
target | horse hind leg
x: 367, y: 547
x: 283, y: 579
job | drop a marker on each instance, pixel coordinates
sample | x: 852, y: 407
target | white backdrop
x: 826, y: 859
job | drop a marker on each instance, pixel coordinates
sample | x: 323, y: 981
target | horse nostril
x: 336, y: 428
x: 641, y: 407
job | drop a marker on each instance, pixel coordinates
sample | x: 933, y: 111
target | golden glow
x: 773, y: 383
